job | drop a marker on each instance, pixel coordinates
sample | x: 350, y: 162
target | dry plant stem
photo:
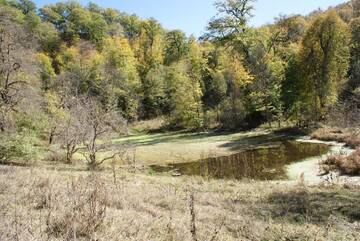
x: 113, y: 168
x: 217, y: 230
x: 192, y: 216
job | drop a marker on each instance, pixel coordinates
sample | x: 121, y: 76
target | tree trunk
x: 51, y: 136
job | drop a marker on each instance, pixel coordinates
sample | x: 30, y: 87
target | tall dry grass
x: 44, y: 204
x: 349, y: 136
x: 347, y: 165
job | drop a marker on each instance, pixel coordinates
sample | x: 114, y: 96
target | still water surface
x: 267, y: 163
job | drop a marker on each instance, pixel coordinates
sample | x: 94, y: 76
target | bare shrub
x: 87, y: 128
x: 349, y: 165
x: 346, y: 113
x: 352, y: 139
x: 71, y: 134
x: 98, y: 123
x: 349, y: 136
x: 16, y: 65
x: 43, y: 194
x: 81, y: 213
x: 70, y: 129
x: 342, y: 122
x: 56, y: 156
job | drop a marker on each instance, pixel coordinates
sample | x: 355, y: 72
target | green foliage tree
x: 176, y: 47
x: 113, y: 19
x: 122, y: 76
x: 324, y: 57
x: 242, y: 75
x: 148, y: 47
x: 355, y: 54
x: 213, y: 82
x: 237, y: 79
x: 155, y: 100
x: 26, y: 6
x: 59, y: 15
x: 49, y: 39
x: 231, y: 20
x: 47, y: 72
x: 286, y: 31
x: 131, y: 25
x: 291, y: 87
x: 74, y: 21
x: 56, y: 115
x: 186, y: 107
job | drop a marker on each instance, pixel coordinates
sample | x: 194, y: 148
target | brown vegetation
x: 349, y: 136
x: 82, y: 211
x: 347, y: 165
x: 16, y: 67
x: 97, y: 123
x: 40, y: 204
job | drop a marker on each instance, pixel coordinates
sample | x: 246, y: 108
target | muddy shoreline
x: 310, y: 171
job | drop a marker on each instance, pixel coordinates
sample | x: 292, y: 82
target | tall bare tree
x: 71, y: 130
x: 98, y: 123
x: 15, y: 64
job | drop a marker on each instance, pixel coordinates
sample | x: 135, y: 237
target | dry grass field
x: 44, y: 204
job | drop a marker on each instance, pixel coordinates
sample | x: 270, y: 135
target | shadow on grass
x: 234, y: 143
x: 253, y: 141
x: 152, y: 139
x: 314, y: 207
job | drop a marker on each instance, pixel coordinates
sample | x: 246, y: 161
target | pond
x: 265, y: 163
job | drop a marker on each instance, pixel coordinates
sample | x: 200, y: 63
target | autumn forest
x: 77, y: 81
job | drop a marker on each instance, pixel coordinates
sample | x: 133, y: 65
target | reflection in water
x: 260, y: 164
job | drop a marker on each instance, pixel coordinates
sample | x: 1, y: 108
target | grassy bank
x: 39, y: 204
x: 169, y: 147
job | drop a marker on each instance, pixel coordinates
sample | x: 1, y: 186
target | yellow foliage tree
x: 121, y: 74
x: 47, y: 72
x: 186, y: 99
x: 324, y: 57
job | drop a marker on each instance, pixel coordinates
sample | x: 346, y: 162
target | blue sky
x: 192, y: 16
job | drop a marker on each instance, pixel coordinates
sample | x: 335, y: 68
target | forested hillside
x: 69, y: 71
x: 115, y: 128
